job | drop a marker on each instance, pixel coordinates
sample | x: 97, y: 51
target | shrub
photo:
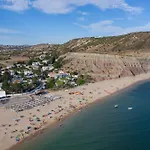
x: 50, y: 83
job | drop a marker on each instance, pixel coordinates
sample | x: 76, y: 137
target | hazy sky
x: 57, y: 21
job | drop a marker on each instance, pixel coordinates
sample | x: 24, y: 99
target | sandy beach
x: 19, y: 125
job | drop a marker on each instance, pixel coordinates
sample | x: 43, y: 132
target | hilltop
x: 124, y: 44
x: 129, y: 44
x: 133, y: 43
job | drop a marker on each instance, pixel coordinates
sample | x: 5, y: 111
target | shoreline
x: 134, y: 81
x: 70, y: 114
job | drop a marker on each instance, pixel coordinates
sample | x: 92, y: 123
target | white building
x: 12, y: 73
x: 44, y: 68
x: 8, y: 67
x: 50, y: 67
x: 45, y: 61
x: 36, y: 64
x: 2, y: 94
x: 2, y: 72
x: 27, y: 72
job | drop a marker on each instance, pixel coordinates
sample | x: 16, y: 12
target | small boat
x: 130, y: 108
x: 116, y: 106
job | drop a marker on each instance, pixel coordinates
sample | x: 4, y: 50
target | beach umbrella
x: 17, y: 139
x: 28, y: 127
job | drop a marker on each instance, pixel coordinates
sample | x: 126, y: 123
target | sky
x: 58, y: 21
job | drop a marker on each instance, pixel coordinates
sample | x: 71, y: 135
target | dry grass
x: 13, y: 60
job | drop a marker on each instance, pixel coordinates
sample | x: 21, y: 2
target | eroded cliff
x: 103, y: 66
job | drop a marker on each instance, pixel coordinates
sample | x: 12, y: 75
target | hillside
x: 133, y: 43
x: 104, y: 66
x: 129, y: 44
x: 108, y: 57
x: 101, y: 58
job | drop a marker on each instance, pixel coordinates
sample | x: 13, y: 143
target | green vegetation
x: 27, y: 75
x: 50, y: 83
x: 12, y: 85
x: 60, y: 82
x: 30, y: 62
x: 37, y: 71
x: 16, y: 87
x: 5, y: 79
x: 58, y: 64
x: 5, y: 85
x: 67, y: 82
x: 80, y: 81
x: 7, y: 76
x: 44, y: 75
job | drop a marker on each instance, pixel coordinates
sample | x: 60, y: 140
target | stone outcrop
x: 103, y: 66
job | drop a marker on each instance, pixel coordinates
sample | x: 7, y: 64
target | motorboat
x: 116, y: 106
x: 130, y: 108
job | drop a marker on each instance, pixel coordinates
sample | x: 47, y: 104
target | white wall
x: 2, y: 94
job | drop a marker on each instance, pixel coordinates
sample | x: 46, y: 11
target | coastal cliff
x: 103, y: 66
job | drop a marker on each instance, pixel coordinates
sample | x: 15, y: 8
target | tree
x: 16, y: 87
x: 1, y: 78
x: 22, y: 75
x: 60, y: 83
x: 38, y: 72
x: 15, y: 72
x: 58, y: 63
x: 35, y: 81
x: 5, y: 85
x: 6, y: 76
x: 47, y: 57
x: 15, y: 66
x: 30, y: 62
x: 54, y: 57
x: 44, y: 75
x: 25, y: 87
x: 80, y: 81
x: 50, y: 83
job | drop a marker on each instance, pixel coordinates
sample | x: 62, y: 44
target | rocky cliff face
x: 102, y: 67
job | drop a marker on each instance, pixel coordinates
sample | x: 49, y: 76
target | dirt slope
x: 103, y: 66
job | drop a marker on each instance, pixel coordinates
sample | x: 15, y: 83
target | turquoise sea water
x: 101, y: 126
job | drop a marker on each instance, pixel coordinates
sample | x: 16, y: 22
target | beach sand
x: 57, y: 110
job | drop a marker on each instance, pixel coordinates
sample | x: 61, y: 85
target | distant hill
x: 129, y: 44
x: 4, y: 48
